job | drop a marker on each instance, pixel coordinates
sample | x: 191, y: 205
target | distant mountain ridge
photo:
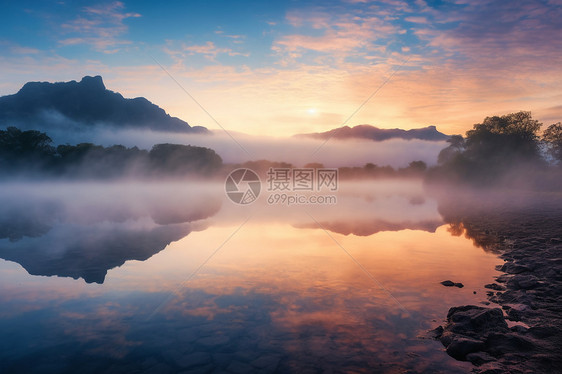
x: 374, y: 133
x: 44, y: 105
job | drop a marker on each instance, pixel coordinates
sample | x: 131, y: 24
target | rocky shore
x: 524, y: 335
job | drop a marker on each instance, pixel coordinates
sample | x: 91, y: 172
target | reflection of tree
x: 471, y: 215
x: 474, y: 230
x: 456, y: 228
x: 489, y: 217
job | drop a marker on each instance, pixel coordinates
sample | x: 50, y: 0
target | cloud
x: 236, y: 37
x: 210, y: 50
x: 500, y: 36
x: 341, y: 35
x: 100, y: 26
x: 471, y: 60
x: 416, y: 19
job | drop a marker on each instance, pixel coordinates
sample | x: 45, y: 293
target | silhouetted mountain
x: 376, y: 134
x: 71, y: 105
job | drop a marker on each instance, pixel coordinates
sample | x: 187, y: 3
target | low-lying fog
x: 83, y: 229
x: 176, y: 202
x: 238, y: 148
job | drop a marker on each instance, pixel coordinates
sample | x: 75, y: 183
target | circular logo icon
x: 242, y: 186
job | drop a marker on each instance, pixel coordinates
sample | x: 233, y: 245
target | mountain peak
x: 85, y: 104
x: 374, y: 133
x: 93, y: 83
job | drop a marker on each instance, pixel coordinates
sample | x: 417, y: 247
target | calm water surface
x: 163, y: 278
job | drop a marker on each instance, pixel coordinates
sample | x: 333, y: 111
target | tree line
x: 31, y: 153
x: 502, y: 149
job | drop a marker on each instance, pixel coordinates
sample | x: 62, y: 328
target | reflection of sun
x: 312, y: 111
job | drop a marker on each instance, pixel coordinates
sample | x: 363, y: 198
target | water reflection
x: 82, y: 230
x: 278, y: 296
x: 88, y: 251
x: 481, y: 215
x: 368, y: 208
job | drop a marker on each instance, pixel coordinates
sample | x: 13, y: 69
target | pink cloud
x: 417, y: 20
x: 101, y: 26
x: 343, y: 35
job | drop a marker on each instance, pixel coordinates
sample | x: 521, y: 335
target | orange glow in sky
x: 280, y: 68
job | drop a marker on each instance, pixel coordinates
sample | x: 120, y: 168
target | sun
x: 312, y: 111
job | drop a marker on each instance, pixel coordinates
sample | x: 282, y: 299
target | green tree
x: 505, y: 139
x: 417, y: 166
x: 19, y: 143
x: 23, y: 151
x: 177, y: 159
x: 455, y: 148
x: 497, y: 146
x: 552, y: 136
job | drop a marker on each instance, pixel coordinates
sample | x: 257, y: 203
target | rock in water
x: 495, y: 286
x: 449, y: 283
x: 460, y: 347
x: 481, y: 335
x: 474, y: 320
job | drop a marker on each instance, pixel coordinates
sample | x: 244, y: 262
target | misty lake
x: 173, y: 277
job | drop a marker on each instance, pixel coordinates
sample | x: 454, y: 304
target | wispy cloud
x: 17, y: 49
x: 335, y: 37
x: 416, y: 20
x: 101, y: 26
x: 210, y: 50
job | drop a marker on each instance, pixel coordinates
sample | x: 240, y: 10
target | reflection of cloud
x: 272, y: 289
x: 102, y: 329
x: 303, y: 289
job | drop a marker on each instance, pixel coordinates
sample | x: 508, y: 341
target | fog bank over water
x: 83, y: 229
x: 241, y: 147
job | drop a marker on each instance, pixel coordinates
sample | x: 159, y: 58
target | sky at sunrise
x: 284, y: 67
